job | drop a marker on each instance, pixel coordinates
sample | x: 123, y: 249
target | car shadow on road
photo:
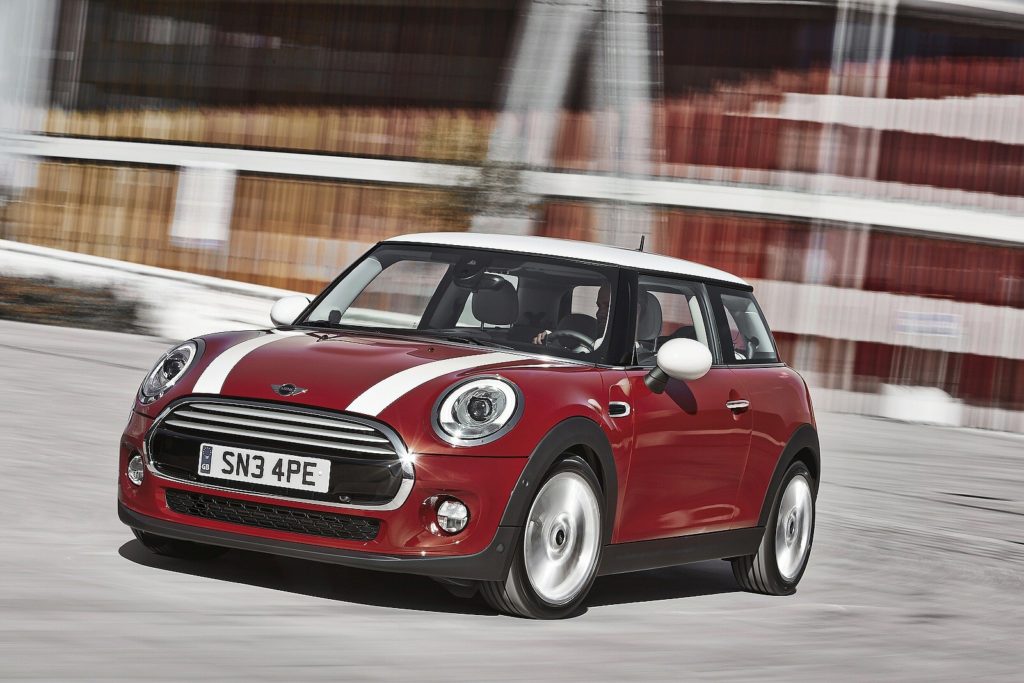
x: 405, y: 591
x: 687, y: 581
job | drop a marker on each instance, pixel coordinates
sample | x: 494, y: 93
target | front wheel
x: 780, y: 560
x: 559, y: 549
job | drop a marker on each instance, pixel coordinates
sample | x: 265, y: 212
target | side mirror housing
x: 682, y: 359
x: 286, y: 310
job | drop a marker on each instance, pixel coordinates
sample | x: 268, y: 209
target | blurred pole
x: 861, y: 51
x: 623, y: 87
x: 70, y: 44
x: 26, y: 48
x: 541, y: 65
x: 549, y: 45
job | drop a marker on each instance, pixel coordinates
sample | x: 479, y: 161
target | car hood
x: 358, y: 373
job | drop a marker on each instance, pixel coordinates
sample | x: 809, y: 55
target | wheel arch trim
x: 802, y: 445
x: 569, y: 435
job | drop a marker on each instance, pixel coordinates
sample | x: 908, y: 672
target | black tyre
x: 781, y: 559
x: 172, y: 547
x: 559, y: 549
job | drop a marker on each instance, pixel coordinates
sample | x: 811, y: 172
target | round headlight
x: 478, y: 411
x: 171, y: 367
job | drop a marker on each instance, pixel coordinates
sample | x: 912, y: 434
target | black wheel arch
x: 579, y: 436
x: 802, y: 446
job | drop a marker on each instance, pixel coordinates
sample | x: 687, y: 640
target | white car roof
x: 573, y: 249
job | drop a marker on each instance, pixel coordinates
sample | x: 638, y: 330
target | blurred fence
x: 286, y: 233
x: 736, y: 132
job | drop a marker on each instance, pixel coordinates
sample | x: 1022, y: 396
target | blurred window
x: 221, y: 53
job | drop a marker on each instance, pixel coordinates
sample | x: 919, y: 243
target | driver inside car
x: 603, y: 300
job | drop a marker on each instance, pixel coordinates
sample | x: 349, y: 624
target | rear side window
x: 742, y: 329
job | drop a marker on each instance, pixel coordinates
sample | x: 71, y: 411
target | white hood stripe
x: 384, y: 393
x: 213, y: 377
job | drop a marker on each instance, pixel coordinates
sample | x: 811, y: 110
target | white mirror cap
x: 286, y: 310
x: 684, y: 359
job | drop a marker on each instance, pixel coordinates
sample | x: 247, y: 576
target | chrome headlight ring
x: 477, y: 411
x: 171, y: 367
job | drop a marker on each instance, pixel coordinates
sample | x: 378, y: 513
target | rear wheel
x: 172, y: 547
x: 559, y: 549
x: 781, y: 558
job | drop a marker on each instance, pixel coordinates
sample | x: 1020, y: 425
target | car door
x: 690, y: 448
x: 778, y: 401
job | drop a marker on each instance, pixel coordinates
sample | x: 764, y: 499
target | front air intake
x: 264, y: 516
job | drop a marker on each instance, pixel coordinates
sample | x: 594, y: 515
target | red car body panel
x: 683, y: 431
x: 779, y: 404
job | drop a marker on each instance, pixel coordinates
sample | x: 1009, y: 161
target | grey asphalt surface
x: 917, y: 571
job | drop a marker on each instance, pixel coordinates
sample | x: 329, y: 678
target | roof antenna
x: 643, y: 238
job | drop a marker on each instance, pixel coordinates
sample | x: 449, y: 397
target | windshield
x: 491, y: 298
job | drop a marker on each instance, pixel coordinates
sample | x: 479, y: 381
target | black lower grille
x: 265, y: 516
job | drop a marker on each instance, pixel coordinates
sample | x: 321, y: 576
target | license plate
x: 269, y: 469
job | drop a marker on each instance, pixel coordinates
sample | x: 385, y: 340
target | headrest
x: 686, y: 332
x: 648, y: 325
x: 582, y: 323
x: 497, y: 305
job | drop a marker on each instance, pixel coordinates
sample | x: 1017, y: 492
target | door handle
x: 738, y: 406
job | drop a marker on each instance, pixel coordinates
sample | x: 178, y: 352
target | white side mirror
x: 286, y: 310
x: 682, y: 359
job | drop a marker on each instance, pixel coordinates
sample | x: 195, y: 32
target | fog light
x: 136, y: 470
x: 452, y: 515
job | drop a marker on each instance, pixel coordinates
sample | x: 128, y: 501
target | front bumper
x: 491, y: 564
x: 404, y: 543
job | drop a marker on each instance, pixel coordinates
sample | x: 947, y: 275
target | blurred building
x: 861, y: 161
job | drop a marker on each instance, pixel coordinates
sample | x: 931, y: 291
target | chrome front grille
x: 337, y: 434
x: 369, y: 465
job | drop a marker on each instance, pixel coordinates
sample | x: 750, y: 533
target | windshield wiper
x: 402, y: 332
x: 340, y: 327
x: 459, y: 338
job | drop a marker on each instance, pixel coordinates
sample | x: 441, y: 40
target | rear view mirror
x: 682, y: 359
x: 286, y: 310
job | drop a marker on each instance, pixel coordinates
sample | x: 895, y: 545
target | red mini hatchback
x: 513, y: 416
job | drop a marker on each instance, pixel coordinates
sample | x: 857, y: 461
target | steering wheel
x: 585, y: 343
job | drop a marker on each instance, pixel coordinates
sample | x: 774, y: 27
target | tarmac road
x: 917, y: 571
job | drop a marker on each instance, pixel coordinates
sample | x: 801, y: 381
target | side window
x: 743, y: 331
x: 667, y: 309
x: 397, y: 296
